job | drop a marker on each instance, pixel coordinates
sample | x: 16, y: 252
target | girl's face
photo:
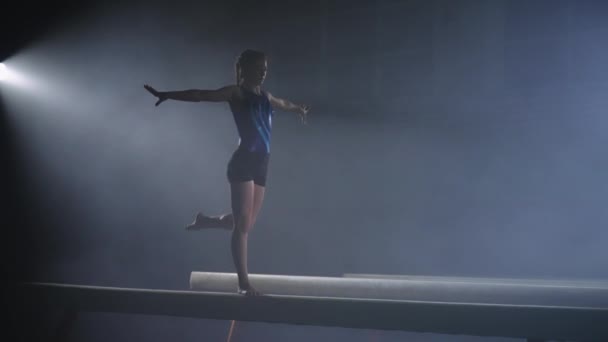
x: 256, y: 73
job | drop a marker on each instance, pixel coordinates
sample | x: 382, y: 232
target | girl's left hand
x: 303, y: 111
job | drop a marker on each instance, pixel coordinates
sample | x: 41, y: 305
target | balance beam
x: 416, y: 288
x: 520, y: 308
x: 517, y: 321
x: 522, y: 281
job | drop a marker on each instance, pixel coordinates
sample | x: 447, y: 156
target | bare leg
x: 247, y: 199
x: 258, y: 199
x: 242, y: 195
x: 202, y: 221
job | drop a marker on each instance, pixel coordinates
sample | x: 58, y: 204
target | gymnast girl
x: 252, y: 110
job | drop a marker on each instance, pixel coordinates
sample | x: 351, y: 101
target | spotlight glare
x: 12, y: 77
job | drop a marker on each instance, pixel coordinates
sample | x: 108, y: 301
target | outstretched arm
x: 289, y: 106
x: 193, y: 95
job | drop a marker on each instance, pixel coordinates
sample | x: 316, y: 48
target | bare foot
x: 201, y: 222
x: 249, y: 291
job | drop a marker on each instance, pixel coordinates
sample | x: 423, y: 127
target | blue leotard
x: 254, y: 122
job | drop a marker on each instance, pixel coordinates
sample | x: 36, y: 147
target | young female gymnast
x: 252, y: 109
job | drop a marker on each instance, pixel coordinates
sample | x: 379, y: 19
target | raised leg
x: 202, y: 221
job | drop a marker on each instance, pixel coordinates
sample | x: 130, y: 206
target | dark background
x: 453, y: 138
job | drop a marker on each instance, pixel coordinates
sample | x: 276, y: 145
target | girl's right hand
x: 161, y: 96
x: 303, y: 112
